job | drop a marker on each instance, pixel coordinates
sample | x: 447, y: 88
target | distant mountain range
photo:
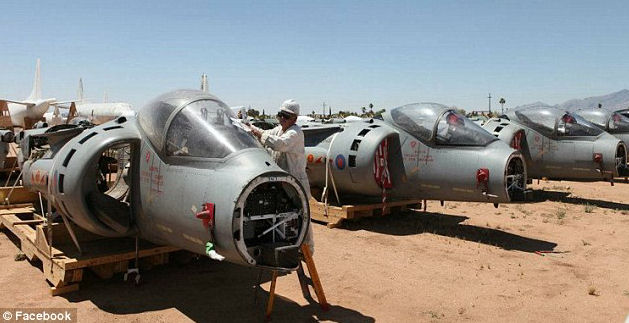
x: 613, y: 101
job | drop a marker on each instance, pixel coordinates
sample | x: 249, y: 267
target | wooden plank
x: 22, y: 232
x: 64, y: 269
x: 14, y: 211
x: 56, y: 291
x: 20, y: 194
x: 336, y: 214
x: 38, y: 221
x: 74, y: 263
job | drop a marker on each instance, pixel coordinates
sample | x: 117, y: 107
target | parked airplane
x: 557, y: 144
x: 422, y: 150
x: 30, y: 110
x: 186, y: 177
x: 96, y: 113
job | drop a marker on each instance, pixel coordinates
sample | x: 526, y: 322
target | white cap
x: 290, y: 106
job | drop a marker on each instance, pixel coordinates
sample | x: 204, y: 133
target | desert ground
x: 563, y: 257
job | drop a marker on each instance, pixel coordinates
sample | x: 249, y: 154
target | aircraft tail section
x: 36, y: 92
x: 204, y: 84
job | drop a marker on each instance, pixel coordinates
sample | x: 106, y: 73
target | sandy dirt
x: 460, y: 262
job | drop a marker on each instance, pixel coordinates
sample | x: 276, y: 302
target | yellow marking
x: 553, y: 167
x: 193, y: 239
x: 430, y: 186
x: 582, y: 169
x: 462, y: 190
x: 164, y: 228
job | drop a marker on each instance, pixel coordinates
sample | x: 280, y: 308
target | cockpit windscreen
x: 573, y: 125
x: 205, y: 129
x: 455, y: 130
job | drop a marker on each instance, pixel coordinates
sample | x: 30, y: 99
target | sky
x: 344, y: 53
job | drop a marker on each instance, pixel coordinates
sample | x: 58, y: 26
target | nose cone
x: 515, y: 177
x: 610, y: 155
x: 270, y: 220
x: 620, y: 160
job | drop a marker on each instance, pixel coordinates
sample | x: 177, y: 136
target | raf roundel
x: 340, y: 161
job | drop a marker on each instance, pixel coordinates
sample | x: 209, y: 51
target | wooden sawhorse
x: 303, y: 282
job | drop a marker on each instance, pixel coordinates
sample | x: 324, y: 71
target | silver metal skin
x: 559, y: 145
x: 180, y: 158
x: 613, y: 122
x: 428, y: 157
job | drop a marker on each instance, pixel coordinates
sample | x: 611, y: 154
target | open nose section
x: 621, y: 160
x: 515, y: 177
x: 271, y: 219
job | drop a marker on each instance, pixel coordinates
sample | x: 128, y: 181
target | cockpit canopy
x: 551, y: 121
x: 606, y: 120
x: 191, y: 123
x: 433, y: 122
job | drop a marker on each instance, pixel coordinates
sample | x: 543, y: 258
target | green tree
x: 253, y: 113
x: 502, y: 104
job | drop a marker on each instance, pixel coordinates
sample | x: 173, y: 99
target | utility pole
x: 323, y: 114
x: 489, y: 97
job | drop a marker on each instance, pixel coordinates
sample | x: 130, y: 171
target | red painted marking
x: 413, y: 144
x: 427, y: 158
x: 207, y: 216
x: 516, y: 143
x: 319, y: 160
x: 381, y: 167
x: 147, y: 157
x: 310, y: 158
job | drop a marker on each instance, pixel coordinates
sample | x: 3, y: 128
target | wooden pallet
x: 334, y: 215
x: 19, y: 195
x: 63, y: 269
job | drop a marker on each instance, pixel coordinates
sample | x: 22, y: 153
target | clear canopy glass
x: 438, y: 123
x: 550, y: 121
x: 455, y: 129
x: 574, y: 125
x: 599, y: 117
x: 619, y: 123
x: 205, y: 129
x: 540, y: 119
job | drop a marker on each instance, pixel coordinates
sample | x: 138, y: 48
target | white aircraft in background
x: 96, y: 113
x: 32, y: 107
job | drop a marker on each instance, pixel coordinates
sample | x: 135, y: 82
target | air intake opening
x: 109, y: 201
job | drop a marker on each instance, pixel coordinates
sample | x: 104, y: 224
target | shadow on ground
x: 205, y: 291
x: 565, y: 197
x: 417, y: 222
